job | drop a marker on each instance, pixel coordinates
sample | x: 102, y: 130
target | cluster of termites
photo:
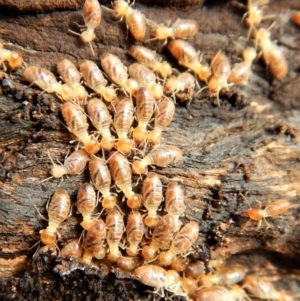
x: 146, y: 237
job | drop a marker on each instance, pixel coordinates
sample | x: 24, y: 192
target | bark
x: 249, y: 145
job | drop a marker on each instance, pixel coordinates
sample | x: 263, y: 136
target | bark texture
x: 249, y: 145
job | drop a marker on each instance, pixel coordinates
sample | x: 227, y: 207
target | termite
x: 93, y: 244
x: 241, y: 72
x: 77, y: 124
x: 143, y: 112
x: 92, y: 18
x: 181, y: 29
x: 273, y: 209
x: 115, y: 229
x: 86, y: 203
x: 181, y: 243
x: 187, y: 56
x: 45, y: 80
x: 152, y: 198
x: 14, y: 59
x: 121, y: 173
x: 220, y: 67
x: 195, y: 269
x: 101, y: 120
x: 163, y: 116
x: 134, y: 232
x: 72, y: 77
x: 184, y: 82
x: 117, y: 72
x: 272, y: 54
x: 150, y: 59
x: 146, y: 78
x: 95, y: 80
x: 227, y: 276
x: 73, y: 249
x: 161, y: 155
x: 175, y: 203
x: 123, y: 120
x: 58, y: 211
x: 135, y: 20
x: 73, y: 165
x: 101, y: 179
x: 128, y: 264
x: 159, y: 278
x: 161, y: 237
x: 262, y: 288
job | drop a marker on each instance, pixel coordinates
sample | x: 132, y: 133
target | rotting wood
x: 250, y: 145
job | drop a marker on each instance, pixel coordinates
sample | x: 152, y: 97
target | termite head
x: 120, y: 6
x: 109, y: 94
x: 107, y: 143
x: 249, y: 54
x: 255, y: 214
x: 57, y: 171
x: 80, y: 92
x: 151, y: 221
x: 215, y: 84
x: 165, y: 69
x: 204, y: 73
x: 171, y: 84
x: 138, y: 167
x: 148, y: 253
x: 114, y: 257
x: 135, y: 201
x: 100, y: 254
x: 87, y: 36
x: 109, y: 202
x: 262, y: 35
x: 156, y: 91
x: 154, y: 137
x: 131, y: 86
x: 72, y: 249
x: 160, y: 32
x: 87, y: 224
x: 139, y: 134
x: 47, y: 237
x: 125, y: 146
x: 165, y: 259
x: 15, y: 60
x: 65, y: 92
x: 92, y: 146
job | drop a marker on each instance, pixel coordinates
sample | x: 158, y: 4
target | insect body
x: 92, y: 18
x: 150, y: 59
x: 175, y: 203
x: 86, y: 203
x: 160, y: 155
x: 262, y: 288
x: 163, y: 117
x: 187, y: 56
x: 181, y: 243
x: 123, y: 120
x: 73, y: 249
x: 275, y: 208
x: 47, y: 82
x: 117, y: 72
x: 146, y: 78
x: 115, y: 229
x: 152, y: 198
x: 72, y: 77
x: 58, y: 211
x: 161, y: 237
x: 73, y: 164
x: 128, y: 264
x: 13, y: 58
x: 77, y: 124
x: 181, y: 29
x: 220, y: 67
x: 241, y: 72
x: 93, y: 242
x: 134, y: 232
x: 121, y: 173
x: 101, y: 179
x: 101, y: 120
x: 95, y: 80
x: 143, y: 111
x: 135, y: 20
x: 272, y: 54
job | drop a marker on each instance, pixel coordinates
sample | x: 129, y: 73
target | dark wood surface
x: 249, y: 145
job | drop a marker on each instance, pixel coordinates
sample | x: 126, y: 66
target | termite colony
x: 151, y: 246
